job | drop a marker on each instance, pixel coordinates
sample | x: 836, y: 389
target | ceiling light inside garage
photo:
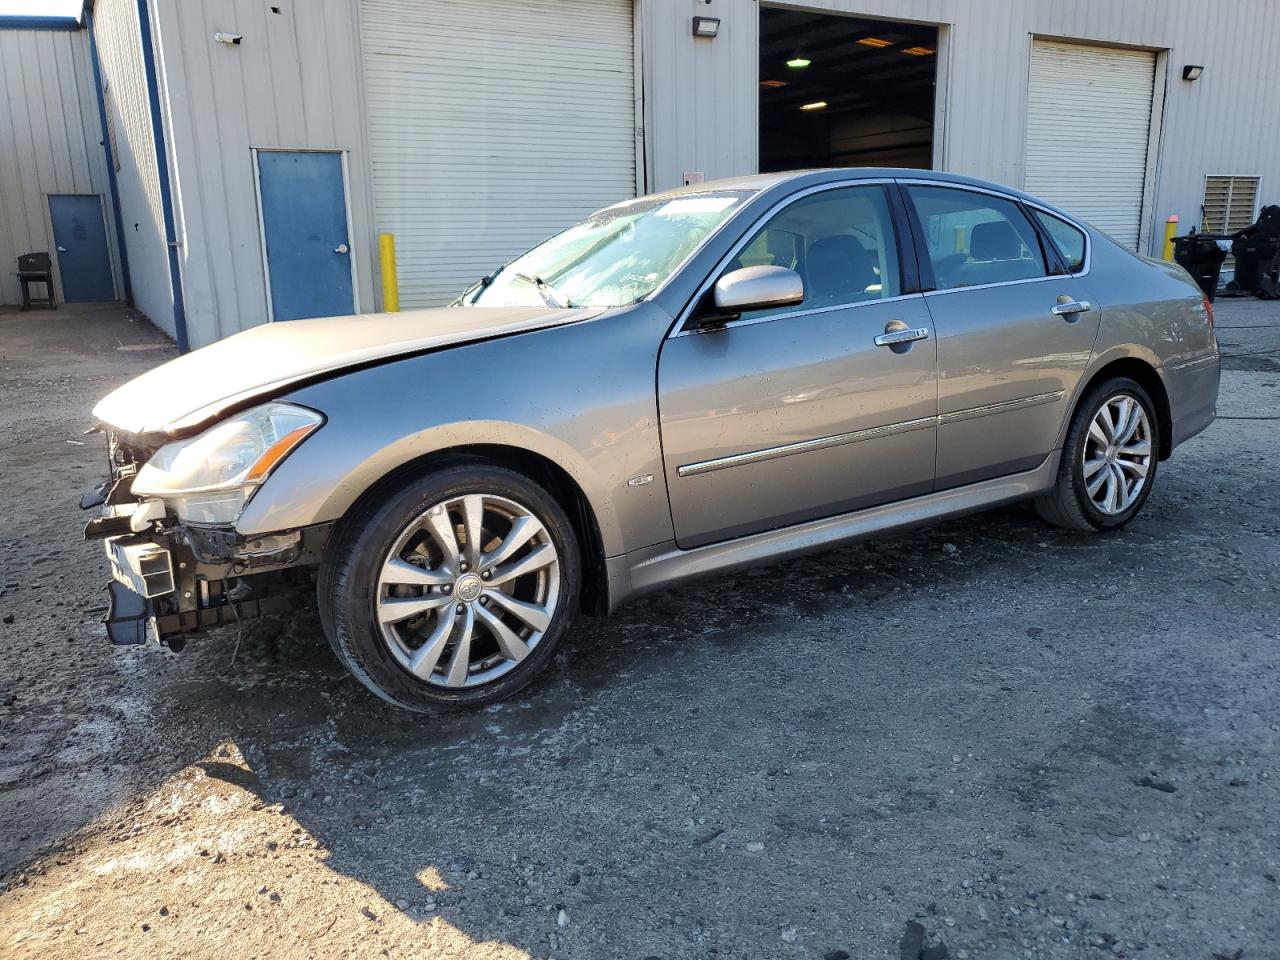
x: 816, y: 105
x: 798, y: 63
x: 878, y: 42
x: 917, y: 51
x: 773, y: 83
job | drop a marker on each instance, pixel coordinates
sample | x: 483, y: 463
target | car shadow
x: 731, y: 732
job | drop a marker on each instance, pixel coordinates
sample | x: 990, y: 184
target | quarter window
x: 1067, y: 238
x: 840, y: 241
x: 976, y: 238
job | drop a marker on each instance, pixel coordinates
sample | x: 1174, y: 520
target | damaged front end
x: 174, y: 578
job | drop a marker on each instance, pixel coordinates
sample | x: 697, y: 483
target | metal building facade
x: 702, y: 94
x: 300, y: 79
x: 49, y: 144
x: 124, y: 92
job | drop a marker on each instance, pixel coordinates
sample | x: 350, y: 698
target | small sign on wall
x: 693, y: 176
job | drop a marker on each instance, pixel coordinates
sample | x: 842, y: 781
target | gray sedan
x: 680, y: 385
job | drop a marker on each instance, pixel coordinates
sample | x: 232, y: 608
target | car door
x: 1015, y: 328
x: 790, y: 414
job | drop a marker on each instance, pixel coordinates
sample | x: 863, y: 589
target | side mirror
x: 756, y: 288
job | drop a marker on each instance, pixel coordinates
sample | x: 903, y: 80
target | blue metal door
x: 81, y: 239
x: 304, y: 227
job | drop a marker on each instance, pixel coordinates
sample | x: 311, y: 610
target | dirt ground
x: 1010, y: 740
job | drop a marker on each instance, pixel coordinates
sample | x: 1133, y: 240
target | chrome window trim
x: 752, y: 321
x: 1012, y: 198
x: 802, y: 446
x: 680, y: 328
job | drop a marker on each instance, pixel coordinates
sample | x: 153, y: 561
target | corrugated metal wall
x: 120, y: 57
x: 297, y: 80
x: 493, y: 124
x: 294, y: 81
x: 49, y: 142
x: 701, y: 95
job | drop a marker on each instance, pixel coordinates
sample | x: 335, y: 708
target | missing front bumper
x: 143, y: 566
x: 172, y: 584
x: 134, y: 619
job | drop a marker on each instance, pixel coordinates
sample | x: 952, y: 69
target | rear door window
x: 976, y: 238
x: 1068, y: 238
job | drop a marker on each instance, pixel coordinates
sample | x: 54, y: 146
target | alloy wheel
x: 468, y: 590
x: 1117, y: 454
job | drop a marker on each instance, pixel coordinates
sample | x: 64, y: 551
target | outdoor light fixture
x: 798, y: 63
x: 816, y: 105
x: 917, y: 51
x: 1192, y: 71
x: 706, y: 26
x: 878, y: 42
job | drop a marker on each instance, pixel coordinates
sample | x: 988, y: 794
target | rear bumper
x: 1193, y: 396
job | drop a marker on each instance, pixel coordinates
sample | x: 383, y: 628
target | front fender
x: 581, y: 396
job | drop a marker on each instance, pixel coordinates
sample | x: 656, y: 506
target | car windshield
x: 617, y: 256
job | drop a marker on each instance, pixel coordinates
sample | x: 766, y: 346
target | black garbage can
x: 1257, y: 253
x: 1201, y: 254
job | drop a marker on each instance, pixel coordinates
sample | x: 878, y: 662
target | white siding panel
x: 1088, y: 128
x: 493, y: 124
x: 293, y: 82
x: 49, y: 143
x: 116, y: 27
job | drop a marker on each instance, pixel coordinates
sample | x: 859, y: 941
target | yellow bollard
x: 390, y: 285
x: 1170, y: 228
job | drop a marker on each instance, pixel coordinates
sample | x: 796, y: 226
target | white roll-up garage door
x: 493, y: 124
x: 1088, y: 128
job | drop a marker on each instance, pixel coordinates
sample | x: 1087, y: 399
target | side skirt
x: 664, y: 564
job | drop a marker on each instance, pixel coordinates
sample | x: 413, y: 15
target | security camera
x: 228, y: 37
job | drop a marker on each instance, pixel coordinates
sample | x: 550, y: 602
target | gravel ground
x: 985, y: 740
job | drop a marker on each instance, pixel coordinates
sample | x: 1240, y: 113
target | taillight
x: 1208, y: 310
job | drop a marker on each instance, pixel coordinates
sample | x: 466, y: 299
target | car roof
x: 759, y: 182
x: 787, y: 181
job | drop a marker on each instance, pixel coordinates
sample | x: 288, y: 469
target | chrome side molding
x: 839, y: 439
x: 803, y: 446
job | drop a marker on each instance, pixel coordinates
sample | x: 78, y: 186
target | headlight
x: 210, y: 477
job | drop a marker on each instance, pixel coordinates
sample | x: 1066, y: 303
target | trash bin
x: 1201, y: 254
x: 1257, y: 252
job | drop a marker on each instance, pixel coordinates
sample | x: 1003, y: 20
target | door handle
x: 895, y: 337
x: 341, y: 248
x: 1071, y: 307
x: 62, y: 249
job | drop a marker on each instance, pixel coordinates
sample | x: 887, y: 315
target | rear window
x: 1067, y: 238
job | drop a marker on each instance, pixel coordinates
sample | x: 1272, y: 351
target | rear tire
x: 1108, y: 461
x: 454, y: 591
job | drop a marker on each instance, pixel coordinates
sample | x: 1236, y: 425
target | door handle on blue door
x: 340, y: 248
x: 895, y: 337
x: 1071, y: 307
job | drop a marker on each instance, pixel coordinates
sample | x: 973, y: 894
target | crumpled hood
x: 199, y: 387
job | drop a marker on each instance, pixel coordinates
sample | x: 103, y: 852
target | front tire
x: 454, y: 591
x: 1109, y: 459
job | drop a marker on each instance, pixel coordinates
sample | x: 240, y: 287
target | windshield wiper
x: 550, y: 295
x: 480, y: 286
